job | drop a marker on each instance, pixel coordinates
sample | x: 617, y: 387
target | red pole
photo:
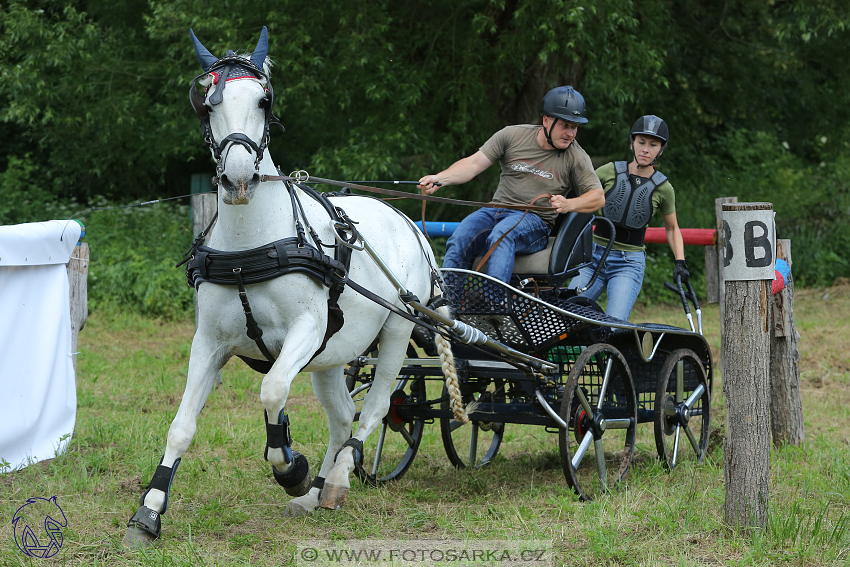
x: 690, y: 236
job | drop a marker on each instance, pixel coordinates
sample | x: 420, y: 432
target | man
x: 536, y: 161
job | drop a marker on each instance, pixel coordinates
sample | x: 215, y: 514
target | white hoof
x: 303, y: 505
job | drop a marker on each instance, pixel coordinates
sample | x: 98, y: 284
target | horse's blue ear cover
x: 262, y: 49
x: 205, y: 58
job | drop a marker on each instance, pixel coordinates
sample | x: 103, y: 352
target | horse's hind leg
x: 393, y: 338
x: 329, y: 387
x: 145, y: 525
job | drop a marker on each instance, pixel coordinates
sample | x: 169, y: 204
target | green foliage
x: 22, y: 200
x: 133, y: 256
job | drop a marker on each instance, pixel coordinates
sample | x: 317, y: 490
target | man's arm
x: 590, y: 202
x: 459, y: 172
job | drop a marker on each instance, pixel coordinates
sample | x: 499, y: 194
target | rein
x: 298, y: 179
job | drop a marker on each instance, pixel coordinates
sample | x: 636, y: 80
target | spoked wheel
x: 600, y: 408
x: 389, y: 453
x: 682, y: 409
x: 472, y: 444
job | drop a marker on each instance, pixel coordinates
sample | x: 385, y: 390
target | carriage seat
x: 569, y: 249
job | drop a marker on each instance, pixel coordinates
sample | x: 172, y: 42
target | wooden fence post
x: 786, y: 406
x: 714, y: 266
x: 748, y: 268
x: 78, y: 271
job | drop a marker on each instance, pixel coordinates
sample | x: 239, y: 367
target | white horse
x: 291, y: 311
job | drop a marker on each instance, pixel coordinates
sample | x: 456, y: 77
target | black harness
x: 286, y: 256
x: 628, y: 204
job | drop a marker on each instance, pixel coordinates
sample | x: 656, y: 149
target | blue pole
x: 437, y: 229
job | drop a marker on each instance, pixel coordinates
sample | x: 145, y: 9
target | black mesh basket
x: 513, y: 319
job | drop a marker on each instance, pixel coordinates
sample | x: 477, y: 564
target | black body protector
x: 628, y: 204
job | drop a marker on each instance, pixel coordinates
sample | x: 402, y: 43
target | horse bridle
x: 232, y: 64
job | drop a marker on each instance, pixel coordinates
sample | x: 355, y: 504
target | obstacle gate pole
x: 748, y: 269
x: 786, y: 406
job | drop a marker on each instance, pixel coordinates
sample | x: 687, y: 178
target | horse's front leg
x: 393, y: 339
x: 204, y: 363
x: 289, y: 467
x: 329, y: 387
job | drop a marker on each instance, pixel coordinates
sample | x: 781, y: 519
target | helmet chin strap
x: 546, y: 132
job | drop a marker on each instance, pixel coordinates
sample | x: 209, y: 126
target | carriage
x: 595, y: 378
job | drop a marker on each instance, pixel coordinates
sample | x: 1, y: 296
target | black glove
x: 681, y: 272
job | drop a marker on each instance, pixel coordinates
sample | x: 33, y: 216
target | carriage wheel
x: 600, y: 408
x: 388, y: 454
x: 682, y: 406
x: 473, y: 444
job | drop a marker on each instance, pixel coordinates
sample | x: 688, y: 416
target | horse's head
x: 233, y: 99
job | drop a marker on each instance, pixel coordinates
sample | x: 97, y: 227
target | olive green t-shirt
x: 663, y: 199
x: 529, y: 170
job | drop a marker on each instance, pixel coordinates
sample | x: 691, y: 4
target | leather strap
x: 418, y: 196
x: 254, y: 331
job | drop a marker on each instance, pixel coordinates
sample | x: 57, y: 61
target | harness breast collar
x: 284, y: 256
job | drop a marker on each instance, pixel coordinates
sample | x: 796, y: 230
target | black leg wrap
x: 146, y: 520
x: 278, y: 436
x: 318, y: 482
x: 295, y: 481
x: 162, y: 478
x: 357, y: 445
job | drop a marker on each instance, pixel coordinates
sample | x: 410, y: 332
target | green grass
x: 226, y: 509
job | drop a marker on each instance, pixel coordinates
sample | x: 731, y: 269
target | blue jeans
x: 477, y: 233
x: 621, y: 276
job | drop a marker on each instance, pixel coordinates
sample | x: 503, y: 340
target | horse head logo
x: 38, y: 527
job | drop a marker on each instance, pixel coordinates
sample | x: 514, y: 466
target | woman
x: 633, y: 192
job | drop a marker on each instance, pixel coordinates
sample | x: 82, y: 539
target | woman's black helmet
x: 565, y: 103
x: 651, y: 125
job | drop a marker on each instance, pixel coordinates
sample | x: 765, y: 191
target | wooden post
x: 747, y: 260
x: 78, y: 271
x: 786, y: 405
x: 712, y: 275
x: 714, y: 279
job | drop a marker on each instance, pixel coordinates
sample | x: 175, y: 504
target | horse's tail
x: 447, y: 360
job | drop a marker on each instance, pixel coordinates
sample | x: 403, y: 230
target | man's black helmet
x: 565, y: 103
x: 651, y: 125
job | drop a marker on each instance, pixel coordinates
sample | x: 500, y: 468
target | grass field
x: 226, y: 509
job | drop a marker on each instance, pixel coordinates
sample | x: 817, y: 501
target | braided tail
x: 447, y: 359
